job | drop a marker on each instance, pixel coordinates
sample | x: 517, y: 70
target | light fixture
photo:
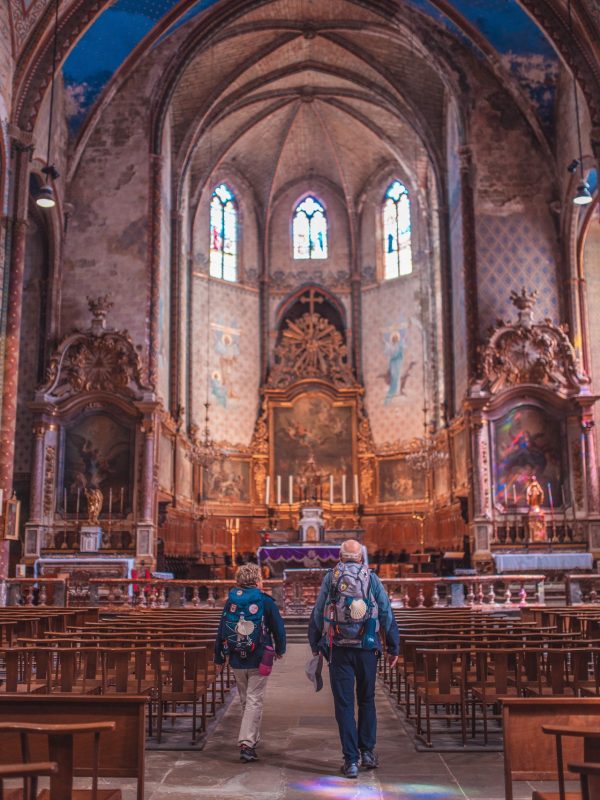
x: 582, y: 196
x: 45, y: 195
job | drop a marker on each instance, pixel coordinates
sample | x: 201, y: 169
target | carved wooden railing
x: 582, y: 589
x: 46, y: 592
x: 154, y: 592
x: 475, y: 590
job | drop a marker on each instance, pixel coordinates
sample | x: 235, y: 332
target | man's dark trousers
x: 350, y: 666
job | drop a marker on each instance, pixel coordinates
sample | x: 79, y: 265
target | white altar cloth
x: 536, y: 562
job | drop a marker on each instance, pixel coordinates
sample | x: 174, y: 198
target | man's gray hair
x: 351, y: 550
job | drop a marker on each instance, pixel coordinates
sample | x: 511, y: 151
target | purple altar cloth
x: 307, y: 556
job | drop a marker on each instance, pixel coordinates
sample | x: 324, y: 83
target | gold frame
x: 12, y: 514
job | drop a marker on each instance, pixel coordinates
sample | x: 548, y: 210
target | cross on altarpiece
x: 311, y: 300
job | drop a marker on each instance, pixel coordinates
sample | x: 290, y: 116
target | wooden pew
x: 121, y: 752
x: 529, y: 753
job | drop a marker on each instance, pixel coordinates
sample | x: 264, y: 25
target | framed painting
x: 12, y: 513
x: 527, y: 441
x: 398, y: 482
x: 227, y: 481
x: 316, y: 434
x: 460, y: 450
x: 98, y: 454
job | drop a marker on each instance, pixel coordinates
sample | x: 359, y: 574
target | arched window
x: 309, y: 231
x: 223, y: 234
x: 396, y: 231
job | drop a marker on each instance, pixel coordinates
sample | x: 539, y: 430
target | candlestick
x: 291, y: 489
x: 505, y: 498
x: 267, y: 490
x: 355, y: 489
x: 344, y: 489
x: 65, y: 500
x: 279, y: 490
x: 514, y: 494
x: 122, y: 505
x: 550, y: 495
x: 331, y: 490
x: 77, y: 504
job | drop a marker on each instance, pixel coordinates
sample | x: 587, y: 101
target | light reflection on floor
x: 338, y: 788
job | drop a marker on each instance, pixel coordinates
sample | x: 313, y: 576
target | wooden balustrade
x: 45, y: 592
x: 473, y: 590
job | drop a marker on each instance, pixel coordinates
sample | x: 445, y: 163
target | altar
x: 80, y: 569
x: 283, y: 557
x: 542, y: 562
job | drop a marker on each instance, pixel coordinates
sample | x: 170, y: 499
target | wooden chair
x: 443, y: 685
x: 589, y: 777
x: 591, y: 753
x: 30, y: 773
x: 182, y: 678
x: 60, y: 747
x: 491, y: 682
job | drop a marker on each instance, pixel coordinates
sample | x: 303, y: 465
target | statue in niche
x: 536, y: 520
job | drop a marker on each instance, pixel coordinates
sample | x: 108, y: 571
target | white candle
x: 550, y: 495
x: 279, y: 490
x: 355, y: 489
x: 78, y: 498
x: 505, y: 498
x: 267, y: 490
x: 122, y: 508
x: 291, y: 489
x: 65, y: 500
x: 344, y: 488
x: 514, y: 494
x: 331, y: 489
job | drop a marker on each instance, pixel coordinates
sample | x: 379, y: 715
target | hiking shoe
x: 247, y: 754
x: 350, y: 769
x: 368, y: 760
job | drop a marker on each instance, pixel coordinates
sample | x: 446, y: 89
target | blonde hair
x: 248, y: 575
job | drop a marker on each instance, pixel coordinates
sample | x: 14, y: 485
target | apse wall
x: 392, y: 344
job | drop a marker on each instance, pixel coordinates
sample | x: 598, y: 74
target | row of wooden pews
x: 131, y: 673
x: 535, y: 676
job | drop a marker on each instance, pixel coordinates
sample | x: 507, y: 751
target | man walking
x: 249, y: 626
x: 351, y: 608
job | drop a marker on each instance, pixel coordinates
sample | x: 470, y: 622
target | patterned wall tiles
x: 515, y: 251
x: 393, y: 360
x: 233, y: 359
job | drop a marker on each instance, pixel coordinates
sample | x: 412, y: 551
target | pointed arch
x: 397, y: 257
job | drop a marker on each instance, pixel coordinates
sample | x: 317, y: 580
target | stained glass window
x: 309, y: 231
x: 223, y: 234
x: 396, y: 231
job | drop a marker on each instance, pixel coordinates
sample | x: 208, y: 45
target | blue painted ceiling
x: 102, y: 50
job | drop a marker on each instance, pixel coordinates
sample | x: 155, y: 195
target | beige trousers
x: 252, y: 687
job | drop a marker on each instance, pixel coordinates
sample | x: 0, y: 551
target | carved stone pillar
x: 591, y: 467
x: 483, y: 524
x: 156, y: 164
x: 37, y: 476
x: 18, y: 228
x: 147, y: 506
x: 469, y: 256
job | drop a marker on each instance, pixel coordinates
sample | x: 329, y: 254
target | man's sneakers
x: 350, y: 769
x: 247, y: 754
x: 368, y: 760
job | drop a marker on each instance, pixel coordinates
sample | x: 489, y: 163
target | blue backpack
x: 243, y: 621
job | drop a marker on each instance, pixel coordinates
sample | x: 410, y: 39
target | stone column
x: 469, y: 256
x: 37, y: 476
x: 148, y: 430
x: 156, y: 163
x: 591, y: 467
x: 21, y: 150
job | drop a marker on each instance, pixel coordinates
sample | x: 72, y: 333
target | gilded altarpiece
x: 530, y: 418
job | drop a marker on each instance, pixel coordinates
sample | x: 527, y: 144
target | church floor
x: 300, y: 756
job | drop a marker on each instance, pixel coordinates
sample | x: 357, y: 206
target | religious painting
x: 527, y: 443
x: 399, y: 482
x: 225, y: 354
x: 165, y: 463
x: 98, y: 455
x: 399, y: 367
x: 12, y: 509
x: 227, y: 481
x: 313, y: 446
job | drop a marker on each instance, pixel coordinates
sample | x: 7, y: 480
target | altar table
x: 280, y: 558
x: 539, y: 562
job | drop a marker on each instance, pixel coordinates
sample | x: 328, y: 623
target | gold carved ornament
x: 311, y: 347
x: 527, y: 352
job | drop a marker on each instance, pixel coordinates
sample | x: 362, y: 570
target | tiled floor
x: 300, y: 756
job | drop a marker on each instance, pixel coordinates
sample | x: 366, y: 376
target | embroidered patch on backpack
x: 253, y: 609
